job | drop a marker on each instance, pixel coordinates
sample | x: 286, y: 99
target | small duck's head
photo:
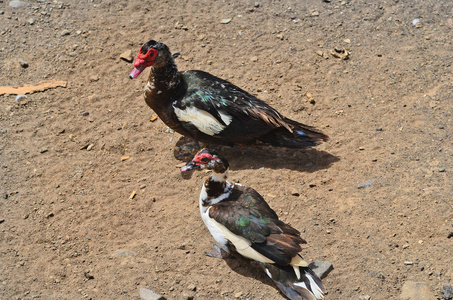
x: 151, y: 53
x: 207, y: 159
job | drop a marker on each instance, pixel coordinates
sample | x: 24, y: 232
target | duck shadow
x: 307, y: 160
x: 247, y: 268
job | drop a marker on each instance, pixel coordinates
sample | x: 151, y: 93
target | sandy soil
x: 377, y: 195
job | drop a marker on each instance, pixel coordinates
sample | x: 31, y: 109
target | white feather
x: 315, y: 291
x: 220, y: 178
x: 150, y: 86
x: 204, y: 121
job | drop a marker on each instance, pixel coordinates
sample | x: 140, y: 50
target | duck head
x: 151, y: 53
x: 207, y: 159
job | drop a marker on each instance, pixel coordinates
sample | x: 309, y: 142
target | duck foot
x: 218, y: 252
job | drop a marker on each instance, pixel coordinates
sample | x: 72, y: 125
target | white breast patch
x: 204, y: 121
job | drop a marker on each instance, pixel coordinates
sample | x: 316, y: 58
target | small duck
x: 240, y: 220
x: 211, y: 110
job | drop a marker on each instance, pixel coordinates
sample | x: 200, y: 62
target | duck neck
x: 164, y: 85
x: 216, y: 185
x: 163, y: 78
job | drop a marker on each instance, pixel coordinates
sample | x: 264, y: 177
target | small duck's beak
x: 190, y: 166
x: 136, y: 71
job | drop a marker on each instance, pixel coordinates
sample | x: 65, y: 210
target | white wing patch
x: 204, y: 121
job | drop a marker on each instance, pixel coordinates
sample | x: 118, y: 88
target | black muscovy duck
x: 209, y: 109
x: 240, y: 220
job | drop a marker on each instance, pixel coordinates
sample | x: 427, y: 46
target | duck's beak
x: 136, y: 71
x: 190, y: 166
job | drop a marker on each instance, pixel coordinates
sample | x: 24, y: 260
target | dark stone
x: 23, y: 64
x: 321, y: 268
x: 447, y: 292
x: 88, y: 275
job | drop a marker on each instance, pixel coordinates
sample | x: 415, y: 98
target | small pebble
x: 415, y: 21
x: 416, y: 290
x: 65, y: 32
x: 4, y: 130
x: 18, y: 97
x: 94, y: 78
x: 31, y: 21
x: 5, y: 196
x: 225, y: 21
x: 366, y: 184
x: 441, y: 127
x: 447, y: 292
x: 146, y: 294
x: 378, y: 129
x: 85, y: 114
x: 23, y: 64
x: 441, y: 169
x: 1, y: 12
x: 120, y: 253
x: 192, y: 287
x: 16, y: 4
x: 127, y: 56
x: 257, y: 4
x: 88, y: 275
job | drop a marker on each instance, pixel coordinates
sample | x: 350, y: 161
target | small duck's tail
x: 295, y: 135
x: 307, y: 287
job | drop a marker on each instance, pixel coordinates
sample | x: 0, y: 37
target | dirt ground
x: 375, y: 200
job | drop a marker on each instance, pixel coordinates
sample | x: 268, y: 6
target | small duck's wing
x: 220, y: 109
x: 254, y: 228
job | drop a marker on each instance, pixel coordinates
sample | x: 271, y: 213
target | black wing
x: 250, y: 117
x: 246, y: 213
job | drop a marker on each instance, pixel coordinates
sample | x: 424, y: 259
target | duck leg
x: 218, y: 252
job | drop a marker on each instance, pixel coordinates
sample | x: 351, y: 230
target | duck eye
x: 204, y: 160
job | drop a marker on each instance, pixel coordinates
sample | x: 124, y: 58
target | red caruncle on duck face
x: 203, y: 158
x: 143, y: 61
